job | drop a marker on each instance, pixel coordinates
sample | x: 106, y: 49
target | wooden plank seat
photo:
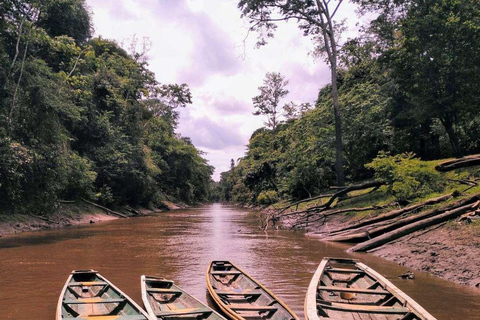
x: 253, y: 308
x: 341, y: 270
x: 354, y: 290
x: 243, y: 293
x: 182, y: 312
x: 93, y: 300
x: 109, y: 317
x: 87, y: 284
x: 363, y: 309
x: 150, y: 280
x: 162, y: 290
x: 225, y: 273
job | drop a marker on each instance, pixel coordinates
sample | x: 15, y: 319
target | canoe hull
x: 87, y: 295
x: 347, y: 289
x: 240, y: 296
x: 162, y: 298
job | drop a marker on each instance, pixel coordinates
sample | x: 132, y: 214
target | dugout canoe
x: 241, y: 297
x: 347, y: 289
x: 165, y: 300
x: 89, y: 296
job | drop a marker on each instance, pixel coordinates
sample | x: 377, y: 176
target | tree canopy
x: 80, y: 117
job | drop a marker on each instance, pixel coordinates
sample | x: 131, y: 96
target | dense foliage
x: 80, y: 117
x: 409, y: 83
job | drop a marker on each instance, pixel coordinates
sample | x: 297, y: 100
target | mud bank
x: 450, y: 252
x: 66, y: 215
x: 69, y: 214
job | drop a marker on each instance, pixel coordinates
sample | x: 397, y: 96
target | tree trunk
x: 469, y: 161
x: 338, y: 128
x: 397, y: 223
x: 452, y: 136
x: 395, y: 213
x: 393, y: 235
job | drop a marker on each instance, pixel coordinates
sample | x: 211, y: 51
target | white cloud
x: 201, y: 42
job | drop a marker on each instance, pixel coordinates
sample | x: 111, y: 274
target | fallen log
x: 469, y: 161
x: 395, y: 213
x: 342, y: 192
x: 410, y: 228
x: 105, y: 209
x: 66, y: 201
x: 324, y: 214
x: 398, y: 223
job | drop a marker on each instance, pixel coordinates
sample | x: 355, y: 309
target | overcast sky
x: 200, y: 42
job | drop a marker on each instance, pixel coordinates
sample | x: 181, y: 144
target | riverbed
x: 179, y: 245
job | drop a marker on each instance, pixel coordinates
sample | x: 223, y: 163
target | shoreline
x: 449, y: 251
x: 72, y: 214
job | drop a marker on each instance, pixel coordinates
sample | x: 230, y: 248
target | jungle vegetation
x: 82, y: 118
x: 408, y: 84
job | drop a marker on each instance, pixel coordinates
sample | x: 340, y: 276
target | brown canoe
x: 241, y: 297
x: 89, y: 296
x: 165, y: 300
x: 344, y: 289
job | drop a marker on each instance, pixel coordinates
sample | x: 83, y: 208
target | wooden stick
x: 105, y: 209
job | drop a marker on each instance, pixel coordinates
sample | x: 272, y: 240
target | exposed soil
x: 69, y: 214
x: 66, y: 215
x: 450, y: 252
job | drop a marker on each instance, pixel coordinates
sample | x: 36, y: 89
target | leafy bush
x: 406, y: 176
x: 267, y: 197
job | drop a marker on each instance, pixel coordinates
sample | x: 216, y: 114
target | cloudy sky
x: 201, y: 43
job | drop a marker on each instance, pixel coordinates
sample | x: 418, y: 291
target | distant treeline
x: 409, y: 83
x: 81, y: 117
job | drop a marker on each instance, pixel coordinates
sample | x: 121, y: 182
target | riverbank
x: 70, y: 214
x: 450, y: 250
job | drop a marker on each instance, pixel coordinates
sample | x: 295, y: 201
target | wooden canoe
x: 165, y: 300
x: 89, y: 296
x: 347, y: 289
x: 241, y: 297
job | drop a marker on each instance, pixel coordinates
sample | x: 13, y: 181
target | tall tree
x: 272, y: 91
x: 434, y: 57
x: 315, y: 18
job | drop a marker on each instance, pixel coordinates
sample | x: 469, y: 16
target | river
x: 179, y: 245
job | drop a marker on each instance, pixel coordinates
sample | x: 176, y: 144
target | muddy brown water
x: 179, y: 245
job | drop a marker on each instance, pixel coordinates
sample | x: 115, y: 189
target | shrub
x: 406, y: 176
x: 267, y: 197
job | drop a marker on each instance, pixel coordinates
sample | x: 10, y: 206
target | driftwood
x: 397, y: 213
x: 397, y: 223
x: 324, y: 214
x: 464, y: 162
x: 279, y: 214
x: 44, y: 219
x: 66, y: 201
x: 410, y: 228
x: 105, y: 209
x: 342, y: 192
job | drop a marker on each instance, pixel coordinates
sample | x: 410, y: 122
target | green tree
x: 271, y: 93
x: 314, y: 18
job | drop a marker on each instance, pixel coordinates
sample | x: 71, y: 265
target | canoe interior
x: 89, y: 296
x: 347, y: 292
x: 164, y: 299
x: 242, y: 297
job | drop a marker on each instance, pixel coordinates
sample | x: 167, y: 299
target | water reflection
x: 179, y: 245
